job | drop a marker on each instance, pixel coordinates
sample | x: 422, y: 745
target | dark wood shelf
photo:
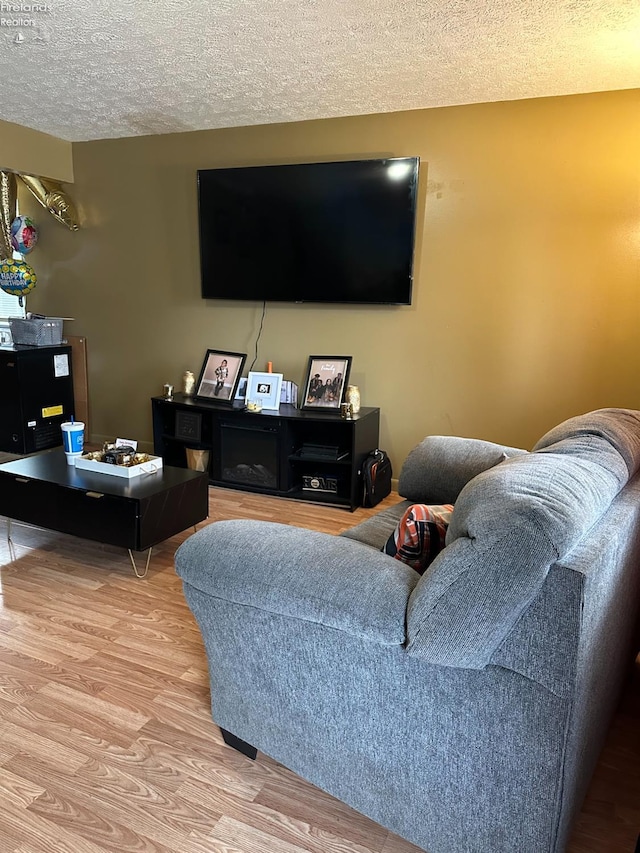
x: 187, y: 442
x: 296, y: 457
x: 262, y: 452
x: 316, y: 496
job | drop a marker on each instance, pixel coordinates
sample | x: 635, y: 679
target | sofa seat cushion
x: 376, y: 530
x: 419, y: 535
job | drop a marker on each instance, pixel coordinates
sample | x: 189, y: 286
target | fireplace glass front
x: 249, y: 455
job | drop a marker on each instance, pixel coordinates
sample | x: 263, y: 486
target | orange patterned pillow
x: 420, y: 535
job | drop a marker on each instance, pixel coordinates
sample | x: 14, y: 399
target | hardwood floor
x: 106, y: 740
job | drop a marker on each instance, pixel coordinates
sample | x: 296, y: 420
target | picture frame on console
x: 326, y: 381
x: 220, y: 375
x: 264, y: 389
x: 241, y: 391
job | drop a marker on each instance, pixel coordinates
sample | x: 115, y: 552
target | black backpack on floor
x: 376, y: 477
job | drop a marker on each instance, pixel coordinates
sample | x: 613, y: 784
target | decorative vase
x: 353, y: 396
x: 188, y: 383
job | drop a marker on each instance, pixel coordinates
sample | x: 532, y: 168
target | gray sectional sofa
x: 463, y: 709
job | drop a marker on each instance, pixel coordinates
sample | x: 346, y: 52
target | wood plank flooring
x: 106, y: 740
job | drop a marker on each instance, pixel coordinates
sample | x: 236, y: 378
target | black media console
x: 306, y: 455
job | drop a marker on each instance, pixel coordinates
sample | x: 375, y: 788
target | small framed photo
x: 264, y: 389
x: 326, y: 381
x: 188, y: 425
x: 241, y: 393
x: 220, y: 374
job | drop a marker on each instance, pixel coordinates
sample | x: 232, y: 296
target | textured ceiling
x: 95, y: 69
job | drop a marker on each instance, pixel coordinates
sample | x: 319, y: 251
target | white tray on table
x: 151, y: 466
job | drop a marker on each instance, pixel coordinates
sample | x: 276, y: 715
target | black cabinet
x: 298, y: 454
x: 36, y: 396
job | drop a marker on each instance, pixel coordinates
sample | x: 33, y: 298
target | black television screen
x: 313, y: 232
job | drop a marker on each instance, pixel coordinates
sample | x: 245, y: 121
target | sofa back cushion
x: 437, y: 469
x: 618, y: 427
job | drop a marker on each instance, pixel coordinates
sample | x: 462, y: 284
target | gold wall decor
x: 8, y: 196
x: 52, y: 197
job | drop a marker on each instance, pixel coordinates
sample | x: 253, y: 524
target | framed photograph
x: 264, y: 388
x: 188, y: 425
x: 220, y: 374
x: 326, y: 381
x: 241, y: 393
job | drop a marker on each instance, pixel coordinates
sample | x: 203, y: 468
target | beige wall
x: 526, y: 299
x: 33, y: 153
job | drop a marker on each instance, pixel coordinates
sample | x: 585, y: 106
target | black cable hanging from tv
x: 255, y: 357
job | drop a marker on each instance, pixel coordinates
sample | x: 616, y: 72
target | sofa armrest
x: 301, y: 574
x: 437, y: 469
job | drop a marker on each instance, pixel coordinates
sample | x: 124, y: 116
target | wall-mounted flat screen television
x: 313, y: 232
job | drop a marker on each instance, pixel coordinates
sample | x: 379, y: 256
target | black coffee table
x: 134, y: 513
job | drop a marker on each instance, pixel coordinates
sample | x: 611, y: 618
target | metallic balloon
x: 51, y: 195
x: 24, y: 234
x: 8, y: 196
x: 17, y: 278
